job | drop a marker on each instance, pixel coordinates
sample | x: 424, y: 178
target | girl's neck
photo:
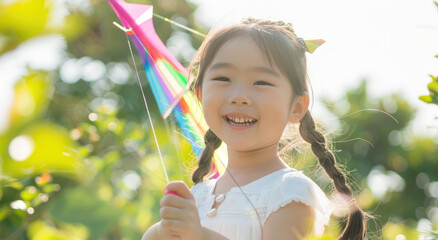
x: 264, y: 160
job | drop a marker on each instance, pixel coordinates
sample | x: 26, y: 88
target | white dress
x: 236, y: 219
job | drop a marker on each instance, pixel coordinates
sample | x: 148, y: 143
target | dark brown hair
x: 284, y: 49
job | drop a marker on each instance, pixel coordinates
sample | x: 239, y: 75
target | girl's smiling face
x: 246, y: 101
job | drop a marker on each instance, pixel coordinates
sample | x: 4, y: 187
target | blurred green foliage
x: 78, y: 160
x: 433, y: 91
x: 21, y: 21
x: 393, y: 168
x: 432, y: 87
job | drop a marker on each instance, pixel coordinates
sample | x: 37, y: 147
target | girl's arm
x: 151, y: 233
x: 293, y: 221
x: 157, y: 233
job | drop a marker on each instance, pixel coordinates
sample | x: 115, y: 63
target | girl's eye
x: 263, y: 83
x: 222, y: 79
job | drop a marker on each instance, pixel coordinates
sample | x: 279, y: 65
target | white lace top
x: 235, y: 217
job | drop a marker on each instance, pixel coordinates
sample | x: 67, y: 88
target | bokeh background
x: 77, y: 155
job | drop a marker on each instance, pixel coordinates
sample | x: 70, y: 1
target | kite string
x: 180, y: 95
x: 179, y: 25
x: 147, y: 109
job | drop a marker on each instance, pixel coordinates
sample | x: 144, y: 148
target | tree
x: 78, y: 159
x: 394, y: 169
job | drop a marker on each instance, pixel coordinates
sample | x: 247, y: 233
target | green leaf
x: 49, y: 188
x: 29, y: 193
x: 426, y: 98
x: 15, y: 185
x: 433, y: 87
x: 81, y: 205
x: 53, y: 151
x: 4, y: 211
x: 22, y: 20
x: 40, y: 230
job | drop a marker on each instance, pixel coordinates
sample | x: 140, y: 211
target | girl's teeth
x: 240, y: 120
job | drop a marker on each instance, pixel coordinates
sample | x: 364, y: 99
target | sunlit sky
x: 391, y: 43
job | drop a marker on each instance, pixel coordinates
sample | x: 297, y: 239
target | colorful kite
x: 167, y: 78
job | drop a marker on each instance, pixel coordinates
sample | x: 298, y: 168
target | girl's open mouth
x: 240, y: 121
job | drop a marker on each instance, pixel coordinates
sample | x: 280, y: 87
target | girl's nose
x: 239, y: 98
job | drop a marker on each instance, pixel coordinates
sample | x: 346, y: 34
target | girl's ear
x: 299, y: 108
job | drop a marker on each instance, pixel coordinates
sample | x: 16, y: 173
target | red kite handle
x: 171, y: 192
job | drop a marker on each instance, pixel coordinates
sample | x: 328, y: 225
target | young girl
x: 251, y: 82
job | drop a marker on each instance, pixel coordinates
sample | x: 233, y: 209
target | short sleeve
x: 295, y: 186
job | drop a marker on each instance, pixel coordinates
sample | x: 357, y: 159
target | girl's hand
x: 156, y: 232
x: 179, y: 214
x: 163, y: 233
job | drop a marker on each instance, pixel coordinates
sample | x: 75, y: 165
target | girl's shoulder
x: 294, y: 181
x: 296, y: 186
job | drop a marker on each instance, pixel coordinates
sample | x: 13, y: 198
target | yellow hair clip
x: 313, y: 44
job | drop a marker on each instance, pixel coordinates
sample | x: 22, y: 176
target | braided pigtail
x: 356, y: 225
x: 212, y: 142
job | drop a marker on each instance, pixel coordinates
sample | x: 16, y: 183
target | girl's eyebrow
x: 262, y: 69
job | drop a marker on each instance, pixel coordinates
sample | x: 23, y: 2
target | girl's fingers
x: 175, y: 201
x: 173, y: 225
x: 166, y: 233
x: 173, y: 213
x: 179, y: 188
